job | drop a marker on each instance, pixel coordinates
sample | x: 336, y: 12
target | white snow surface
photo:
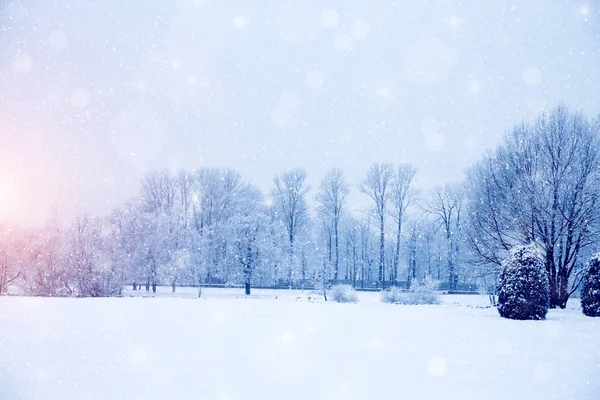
x: 279, y: 345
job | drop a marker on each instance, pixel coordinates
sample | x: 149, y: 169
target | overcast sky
x: 93, y: 94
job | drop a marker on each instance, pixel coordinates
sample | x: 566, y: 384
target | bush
x: 343, y: 294
x: 417, y: 295
x: 523, y: 290
x: 590, y: 293
x: 393, y: 296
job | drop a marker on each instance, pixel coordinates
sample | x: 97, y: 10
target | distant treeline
x: 190, y: 227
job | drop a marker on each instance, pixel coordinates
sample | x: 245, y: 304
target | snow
x: 276, y: 345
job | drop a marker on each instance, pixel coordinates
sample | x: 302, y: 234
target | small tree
x: 524, y: 291
x: 590, y: 293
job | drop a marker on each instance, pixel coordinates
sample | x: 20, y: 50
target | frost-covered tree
x: 250, y: 233
x: 445, y: 205
x: 402, y: 196
x: 289, y: 194
x: 367, y: 251
x: 351, y: 235
x: 590, y: 291
x: 524, y: 291
x: 10, y: 259
x: 430, y: 239
x: 331, y: 197
x: 47, y: 272
x: 377, y: 186
x: 541, y: 184
x: 165, y: 201
x: 218, y: 195
x: 413, y: 245
x: 93, y: 272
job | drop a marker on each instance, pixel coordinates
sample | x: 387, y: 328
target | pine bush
x: 590, y: 293
x: 523, y: 290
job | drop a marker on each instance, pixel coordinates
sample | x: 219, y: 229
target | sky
x: 94, y: 94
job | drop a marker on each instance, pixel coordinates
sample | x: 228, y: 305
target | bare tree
x: 402, y: 197
x: 367, y: 257
x: 412, y: 243
x: 377, y: 187
x: 331, y: 197
x: 430, y: 230
x: 540, y: 185
x: 351, y: 234
x: 445, y: 205
x: 10, y: 268
x: 158, y: 191
x: 289, y: 194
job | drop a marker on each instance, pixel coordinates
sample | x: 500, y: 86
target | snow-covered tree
x: 445, y: 205
x: 289, y: 194
x: 412, y: 245
x: 541, y: 185
x: 218, y: 195
x: 48, y: 272
x: 590, y: 291
x: 10, y: 259
x: 377, y: 185
x: 367, y: 251
x: 524, y: 291
x: 351, y: 237
x: 250, y: 233
x: 89, y: 261
x: 331, y: 197
x: 402, y: 197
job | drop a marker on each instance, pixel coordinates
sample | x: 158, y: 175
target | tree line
x: 210, y: 225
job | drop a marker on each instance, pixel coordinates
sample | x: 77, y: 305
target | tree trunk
x: 292, y: 259
x: 337, y: 249
x: 147, y: 286
x: 450, y: 261
x: 247, y: 287
x: 397, y: 255
x: 354, y: 266
x: 173, y: 287
x: 153, y: 287
x: 381, y: 251
x: 563, y: 288
x: 551, y: 270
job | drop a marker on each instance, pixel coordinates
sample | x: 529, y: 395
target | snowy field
x: 278, y: 345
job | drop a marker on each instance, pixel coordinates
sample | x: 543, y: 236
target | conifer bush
x: 524, y: 290
x: 590, y: 293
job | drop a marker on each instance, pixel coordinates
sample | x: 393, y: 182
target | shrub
x: 392, y: 296
x: 343, y: 294
x: 417, y: 295
x: 590, y: 293
x: 523, y: 290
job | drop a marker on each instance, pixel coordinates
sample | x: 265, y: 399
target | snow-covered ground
x: 278, y: 345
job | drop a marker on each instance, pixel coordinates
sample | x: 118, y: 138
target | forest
x: 209, y: 226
